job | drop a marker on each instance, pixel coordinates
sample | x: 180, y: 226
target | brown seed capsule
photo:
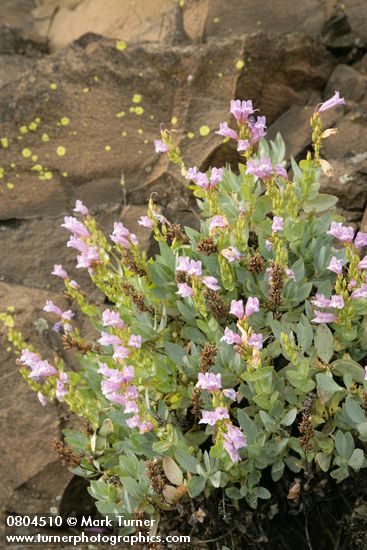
x: 256, y: 263
x: 207, y: 246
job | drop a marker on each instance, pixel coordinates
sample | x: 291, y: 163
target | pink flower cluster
x: 241, y: 311
x: 234, y: 440
x: 120, y: 352
x: 50, y: 307
x: 209, y: 381
x: 231, y: 254
x: 263, y: 169
x: 193, y: 268
x: 243, y: 112
x: 122, y: 236
x: 40, y: 371
x: 116, y: 388
x: 203, y: 180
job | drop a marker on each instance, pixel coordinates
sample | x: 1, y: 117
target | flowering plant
x: 235, y: 350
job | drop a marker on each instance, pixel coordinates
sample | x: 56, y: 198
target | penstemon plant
x: 237, y: 349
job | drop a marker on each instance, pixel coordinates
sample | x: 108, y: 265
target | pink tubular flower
x: 361, y: 240
x: 231, y: 337
x: 344, y: 234
x: 146, y: 222
x: 50, y: 307
x: 225, y: 131
x: 212, y: 417
x: 261, y: 168
x: 321, y: 301
x: 231, y: 254
x: 77, y: 244
x: 58, y: 271
x: 280, y: 171
x: 42, y: 399
x: 330, y: 103
x: 252, y: 306
x: 211, y: 282
x: 243, y: 145
x: 112, y: 319
x: 120, y: 235
x: 160, y: 147
x: 61, y: 386
x: 109, y: 339
x: 323, y: 317
x: 209, y: 381
x: 230, y: 394
x: 75, y: 226
x: 89, y: 257
x: 241, y: 110
x: 191, y: 267
x: 201, y: 179
x: 135, y: 341
x: 256, y: 340
x: 257, y: 128
x: 359, y: 292
x: 268, y: 245
x: 278, y: 224
x: 363, y: 263
x: 42, y: 369
x: 290, y: 274
x: 335, y: 265
x: 184, y: 290
x: 80, y: 208
x: 234, y: 440
x: 237, y: 309
x: 120, y: 353
x: 216, y: 175
x: 183, y: 264
x: 217, y: 221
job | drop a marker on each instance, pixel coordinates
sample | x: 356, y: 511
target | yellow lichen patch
x: 139, y: 110
x: 1, y: 173
x: 37, y: 168
x: 240, y: 64
x: 140, y: 151
x: 146, y: 141
x: 136, y: 98
x: 60, y: 151
x: 26, y: 153
x: 151, y: 117
x: 20, y: 138
x: 23, y: 129
x: 48, y: 175
x: 53, y: 86
x: 96, y: 78
x: 190, y: 135
x: 34, y: 158
x: 120, y: 45
x: 132, y: 109
x: 140, y: 131
x: 4, y: 142
x: 107, y: 147
x: 124, y: 133
x: 86, y: 90
x: 216, y: 20
x: 37, y: 120
x: 174, y: 120
x: 64, y: 121
x: 204, y: 130
x: 12, y: 165
x: 64, y: 174
x: 32, y: 126
x: 120, y: 114
x: 45, y: 137
x: 220, y: 75
x: 10, y: 185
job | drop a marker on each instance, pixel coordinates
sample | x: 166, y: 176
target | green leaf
x: 248, y: 426
x: 357, y: 460
x: 344, y: 444
x: 320, y: 203
x: 354, y: 411
x: 277, y: 470
x: 343, y: 366
x: 304, y: 333
x: 323, y: 461
x: 175, y: 352
x: 324, y: 343
x: 196, y: 486
x: 187, y: 461
x: 289, y: 418
x: 326, y: 387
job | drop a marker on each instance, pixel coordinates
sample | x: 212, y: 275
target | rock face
x: 79, y: 122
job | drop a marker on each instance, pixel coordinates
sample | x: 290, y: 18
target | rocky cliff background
x: 84, y: 86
